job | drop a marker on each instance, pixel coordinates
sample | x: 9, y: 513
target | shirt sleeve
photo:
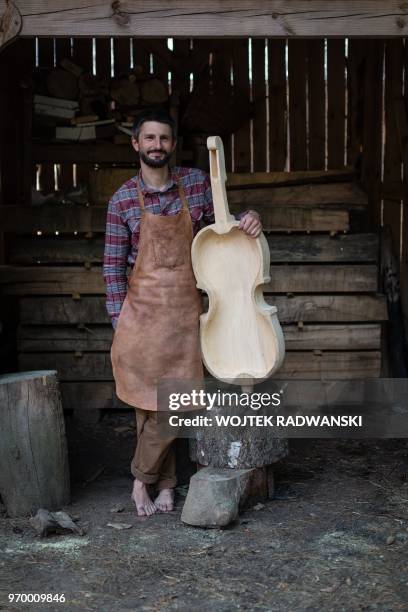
x: 208, y: 209
x: 117, y: 248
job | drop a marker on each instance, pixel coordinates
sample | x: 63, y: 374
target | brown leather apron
x: 157, y: 333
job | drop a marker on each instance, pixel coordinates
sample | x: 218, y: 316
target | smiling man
x: 151, y: 222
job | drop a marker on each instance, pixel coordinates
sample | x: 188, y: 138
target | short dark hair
x: 154, y: 114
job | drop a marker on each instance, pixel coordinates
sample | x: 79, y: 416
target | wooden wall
x: 315, y: 105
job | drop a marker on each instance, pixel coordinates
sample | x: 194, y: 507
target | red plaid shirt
x: 123, y: 224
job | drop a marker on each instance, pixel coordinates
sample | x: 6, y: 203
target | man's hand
x: 251, y: 224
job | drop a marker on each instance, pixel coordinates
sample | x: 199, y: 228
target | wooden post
x: 33, y: 454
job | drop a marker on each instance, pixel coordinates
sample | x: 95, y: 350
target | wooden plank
x: 65, y: 170
x: 297, y: 364
x: 89, y: 395
x: 373, y: 127
x: 93, y: 219
x: 330, y: 337
x: 322, y: 279
x: 103, y: 58
x: 348, y: 195
x: 210, y: 18
x: 63, y: 310
x: 64, y: 338
x: 330, y: 365
x: 325, y: 308
x: 355, y: 86
x: 35, y: 339
x: 82, y: 55
x: 68, y: 280
x: 259, y: 101
x: 245, y: 179
x: 316, y: 96
x: 342, y: 248
x: 394, y: 58
x: 242, y: 145
x: 46, y: 60
x: 277, y: 104
x: 297, y: 73
x: 53, y: 310
x: 101, y: 153
x: 121, y: 56
x: 335, y: 103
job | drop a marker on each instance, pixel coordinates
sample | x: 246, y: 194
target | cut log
x: 125, y: 92
x: 154, y: 91
x: 62, y: 84
x: 33, y: 453
x: 229, y: 447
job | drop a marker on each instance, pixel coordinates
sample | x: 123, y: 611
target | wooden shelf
x: 95, y: 153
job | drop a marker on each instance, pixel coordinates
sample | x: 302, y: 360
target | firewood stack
x: 75, y: 105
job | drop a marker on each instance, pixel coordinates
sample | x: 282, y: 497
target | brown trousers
x: 154, y: 461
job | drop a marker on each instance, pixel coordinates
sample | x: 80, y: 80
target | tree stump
x: 240, y: 448
x: 33, y: 451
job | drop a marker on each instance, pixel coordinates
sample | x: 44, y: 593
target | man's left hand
x: 251, y: 224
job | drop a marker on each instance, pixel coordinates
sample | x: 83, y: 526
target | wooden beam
x: 52, y: 310
x: 49, y: 219
x: 40, y: 339
x: 342, y: 248
x: 298, y: 364
x: 301, y: 18
x: 69, y: 280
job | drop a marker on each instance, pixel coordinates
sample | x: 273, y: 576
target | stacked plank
x: 323, y: 282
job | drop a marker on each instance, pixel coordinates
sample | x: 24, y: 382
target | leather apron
x: 157, y: 333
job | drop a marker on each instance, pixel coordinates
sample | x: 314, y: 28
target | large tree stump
x: 240, y: 448
x: 33, y: 451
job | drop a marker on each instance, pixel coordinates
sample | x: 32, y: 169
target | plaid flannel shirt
x: 123, y: 224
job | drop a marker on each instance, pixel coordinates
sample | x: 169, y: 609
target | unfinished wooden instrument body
x: 241, y: 337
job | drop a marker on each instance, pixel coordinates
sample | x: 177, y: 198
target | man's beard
x: 155, y: 163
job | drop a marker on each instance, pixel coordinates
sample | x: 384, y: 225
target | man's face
x: 155, y: 144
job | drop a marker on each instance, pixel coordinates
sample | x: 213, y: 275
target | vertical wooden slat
x: 181, y: 83
x: 355, y: 85
x: 404, y: 249
x: 103, y: 58
x: 46, y: 60
x: 277, y: 104
x: 242, y: 146
x: 394, y: 57
x: 221, y: 78
x: 82, y: 55
x: 297, y: 70
x: 259, y: 101
x: 335, y: 103
x: 121, y: 54
x: 65, y: 177
x: 316, y: 104
x: 141, y: 55
x: 161, y: 68
x: 372, y: 128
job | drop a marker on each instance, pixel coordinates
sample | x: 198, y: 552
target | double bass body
x: 241, y: 337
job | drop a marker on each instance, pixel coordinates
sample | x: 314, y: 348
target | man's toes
x: 141, y: 511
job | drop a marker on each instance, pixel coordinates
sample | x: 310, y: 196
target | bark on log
x: 154, y: 91
x: 240, y: 447
x: 62, y: 84
x: 33, y: 453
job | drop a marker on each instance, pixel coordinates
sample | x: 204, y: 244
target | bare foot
x: 165, y: 500
x: 143, y: 503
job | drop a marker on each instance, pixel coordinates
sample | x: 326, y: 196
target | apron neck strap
x: 182, y: 196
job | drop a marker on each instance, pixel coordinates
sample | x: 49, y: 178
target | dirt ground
x: 334, y: 538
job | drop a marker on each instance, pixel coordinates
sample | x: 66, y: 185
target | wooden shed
x: 310, y: 100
